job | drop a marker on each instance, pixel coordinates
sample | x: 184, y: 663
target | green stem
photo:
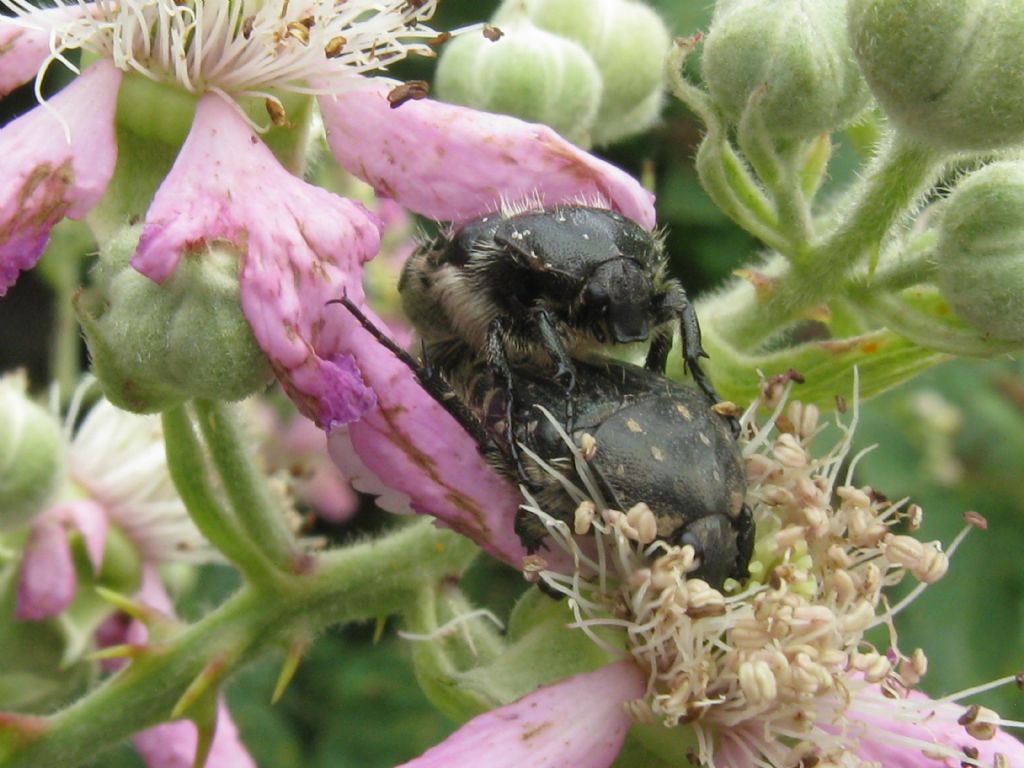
x: 813, y: 165
x: 729, y: 184
x: 912, y: 269
x: 776, y: 163
x: 255, y: 509
x: 354, y: 584
x: 190, y: 473
x: 65, y: 356
x: 722, y: 173
x: 923, y: 329
x: 901, y: 173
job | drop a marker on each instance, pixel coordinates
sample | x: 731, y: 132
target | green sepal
x: 542, y: 649
x: 440, y: 658
x: 653, y: 745
x: 31, y: 454
x: 155, y: 345
x: 882, y: 358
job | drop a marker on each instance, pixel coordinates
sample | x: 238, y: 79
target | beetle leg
x: 552, y: 344
x: 743, y: 524
x: 497, y: 361
x: 530, y: 530
x: 667, y: 306
x: 434, y: 384
x: 692, y: 352
x: 565, y: 371
x: 657, y: 355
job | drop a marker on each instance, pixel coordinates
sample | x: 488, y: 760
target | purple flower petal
x: 46, y: 583
x: 419, y: 451
x: 453, y: 163
x: 577, y: 722
x: 301, y: 247
x: 912, y: 732
x: 173, y: 745
x: 90, y: 520
x: 887, y: 738
x: 47, y: 178
x: 22, y: 52
x: 25, y: 44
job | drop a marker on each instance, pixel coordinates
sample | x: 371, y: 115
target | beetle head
x: 617, y: 300
x: 714, y: 539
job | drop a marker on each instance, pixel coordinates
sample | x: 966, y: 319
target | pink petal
x: 301, y: 448
x: 173, y: 745
x: 934, y: 725
x: 90, y: 520
x: 301, y: 247
x: 22, y: 52
x: 329, y: 494
x: 120, y: 628
x: 46, y: 584
x: 578, y: 722
x: 25, y: 44
x: 891, y: 732
x: 45, y: 177
x: 421, y: 454
x: 453, y: 163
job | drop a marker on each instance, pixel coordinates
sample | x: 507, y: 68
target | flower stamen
x: 778, y: 673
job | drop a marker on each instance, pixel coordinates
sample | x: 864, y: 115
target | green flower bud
x: 528, y: 73
x: 153, y: 346
x: 796, y: 52
x: 980, y: 270
x: 629, y: 43
x: 949, y: 71
x: 31, y: 454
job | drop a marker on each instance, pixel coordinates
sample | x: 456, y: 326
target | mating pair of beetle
x: 513, y: 309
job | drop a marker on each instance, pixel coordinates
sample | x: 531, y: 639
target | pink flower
x: 48, y: 176
x: 173, y: 745
x: 452, y: 163
x: 776, y: 672
x: 579, y: 722
x: 300, y: 246
x: 116, y: 476
x: 582, y: 720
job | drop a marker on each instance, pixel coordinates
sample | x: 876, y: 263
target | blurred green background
x: 952, y: 440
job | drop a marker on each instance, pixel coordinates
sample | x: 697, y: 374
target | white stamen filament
x: 240, y: 47
x: 763, y: 667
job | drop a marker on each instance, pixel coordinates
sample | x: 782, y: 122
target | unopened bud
x: 791, y: 58
x: 31, y: 454
x: 949, y: 72
x: 529, y: 73
x: 628, y: 43
x: 980, y: 252
x: 155, y: 345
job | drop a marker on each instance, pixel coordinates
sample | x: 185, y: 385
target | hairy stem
x: 259, y: 515
x: 354, y: 584
x: 894, y: 182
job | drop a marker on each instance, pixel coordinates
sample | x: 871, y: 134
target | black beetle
x: 651, y: 440
x: 655, y: 441
x: 549, y: 285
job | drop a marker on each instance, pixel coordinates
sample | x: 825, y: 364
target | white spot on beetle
x: 633, y: 426
x: 704, y: 439
x: 684, y: 412
x: 657, y: 453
